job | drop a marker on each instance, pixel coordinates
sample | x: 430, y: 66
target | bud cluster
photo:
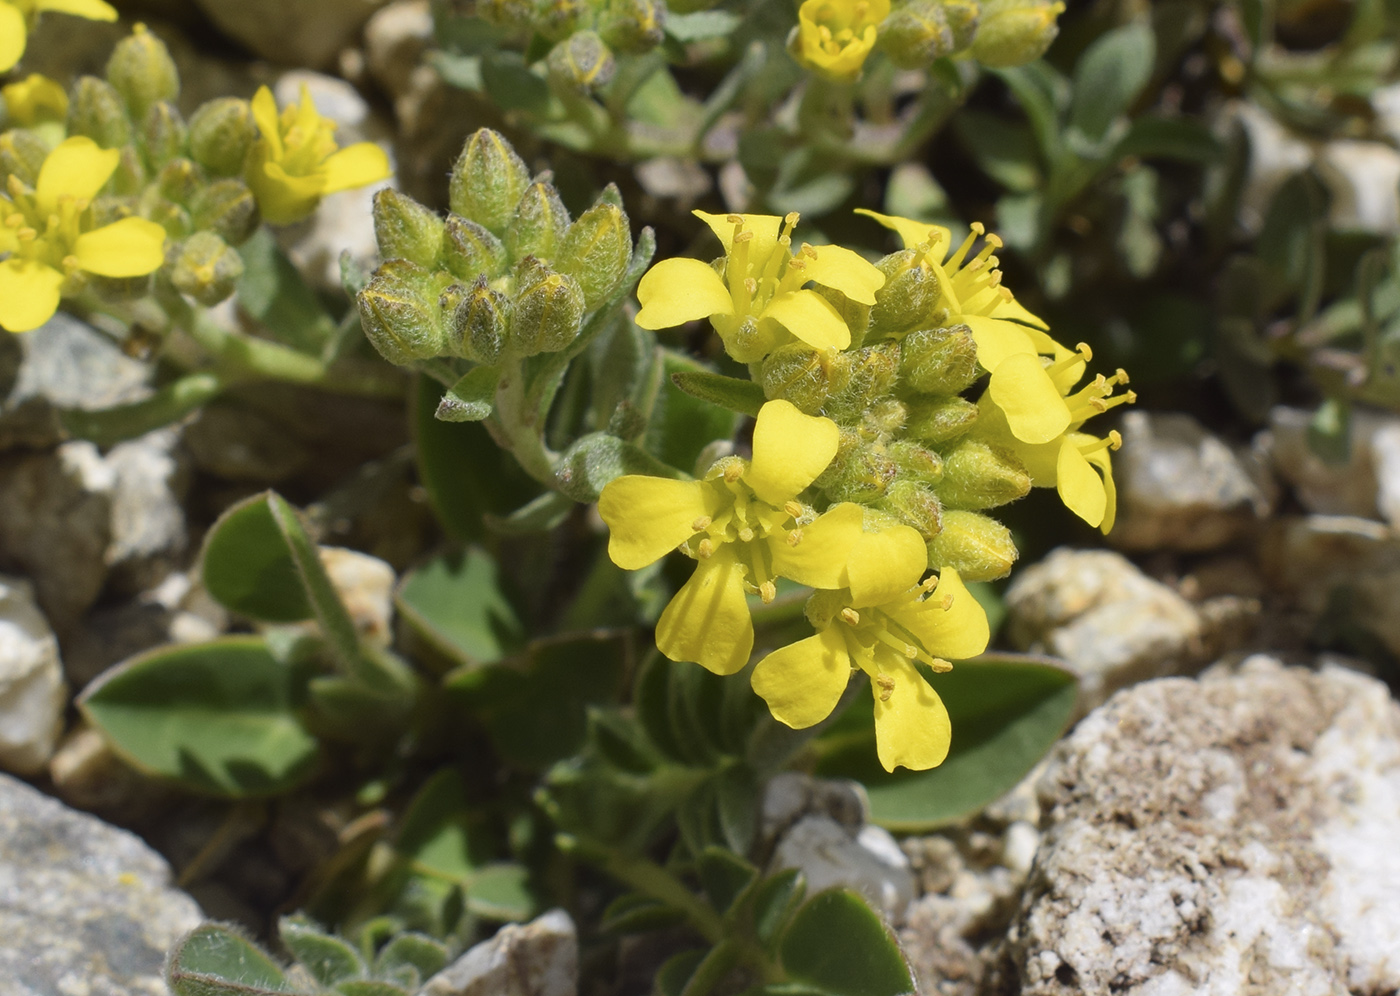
x: 584, y: 34
x: 506, y: 275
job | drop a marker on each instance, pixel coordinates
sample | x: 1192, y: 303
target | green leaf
x: 472, y: 398
x: 511, y: 84
x: 743, y: 396
x: 455, y: 602
x: 773, y: 902
x: 682, y: 424
x: 248, y: 567
x: 701, y: 24
x: 1329, y: 432
x: 1108, y: 78
x: 273, y: 293
x: 425, y: 955
x: 370, y: 987
x: 597, y: 458
x: 1006, y: 150
x: 837, y: 945
x: 675, y: 973
x: 437, y: 836
x: 636, y: 913
x: 501, y: 891
x: 213, y: 960
x: 724, y: 876
x: 329, y: 959
x: 1183, y: 139
x: 218, y: 717
x: 1006, y: 711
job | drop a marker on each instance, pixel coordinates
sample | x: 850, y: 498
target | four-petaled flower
x: 297, y: 162
x: 755, y: 296
x: 884, y: 622
x: 48, y: 235
x: 35, y: 101
x: 833, y: 37
x: 744, y: 526
x: 17, y: 17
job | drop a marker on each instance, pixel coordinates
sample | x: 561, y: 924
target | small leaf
x: 329, y: 959
x: 743, y: 396
x: 589, y: 464
x: 370, y: 987
x: 836, y: 944
x: 683, y: 425
x: 273, y: 293
x: 724, y: 876
x: 774, y: 901
x: 214, y: 960
x: 248, y: 567
x: 421, y: 952
x: 737, y: 797
x: 672, y: 977
x: 437, y: 836
x: 1108, y: 78
x: 701, y: 24
x: 511, y: 84
x: 501, y: 891
x: 1182, y: 139
x: 635, y: 913
x: 472, y: 398
x: 455, y: 601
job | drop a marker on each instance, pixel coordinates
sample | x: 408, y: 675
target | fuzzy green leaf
x: 837, y: 945
x: 455, y: 601
x: 215, y: 960
x: 248, y: 567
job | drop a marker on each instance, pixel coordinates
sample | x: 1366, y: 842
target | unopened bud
x: 916, y: 505
x: 97, y: 111
x: 581, y: 62
x: 469, y: 250
x: 221, y: 133
x: 871, y: 374
x: 916, y: 33
x: 506, y: 13
x: 977, y: 476
x: 962, y: 17
x: 548, y: 310
x: 22, y: 153
x: 35, y: 102
x: 406, y: 229
x: 142, y: 71
x: 804, y: 376
x: 557, y: 19
x: 853, y: 313
x: 910, y: 297
x: 596, y: 250
x: 487, y: 181
x: 861, y: 471
x: 939, y: 361
x: 178, y: 180
x: 206, y: 268
x: 915, y: 462
x: 226, y: 207
x: 977, y: 547
x: 633, y: 25
x: 162, y: 133
x: 938, y: 420
x: 480, y: 324
x: 399, y: 313
x: 1014, y: 32
x: 540, y: 222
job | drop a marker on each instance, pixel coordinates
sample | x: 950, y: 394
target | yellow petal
x: 13, y: 36
x: 283, y: 198
x: 355, y: 166
x: 911, y: 725
x: 849, y: 272
x: 1017, y: 312
x: 810, y: 317
x: 265, y: 114
x: 885, y: 565
x: 708, y: 621
x: 1034, y: 408
x: 765, y: 228
x: 34, y: 99
x: 790, y: 450
x: 1100, y: 459
x: 93, y: 10
x: 912, y: 233
x: 648, y: 517
x: 956, y: 632
x: 77, y: 168
x: 680, y: 290
x: 819, y: 559
x: 1080, y: 487
x: 28, y: 294
x: 997, y: 339
x: 131, y: 247
x: 803, y: 681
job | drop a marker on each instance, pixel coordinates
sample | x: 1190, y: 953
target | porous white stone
x: 366, y: 588
x: 1364, y: 181
x: 32, y: 691
x: 867, y: 861
x: 539, y: 958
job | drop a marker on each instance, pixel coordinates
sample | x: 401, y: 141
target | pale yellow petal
x: 93, y: 10
x: 885, y: 565
x: 912, y: 728
x: 1079, y: 485
x: 680, y: 290
x: 131, y: 247
x: 1101, y: 460
x: 912, y: 233
x: 264, y: 106
x: 356, y: 166
x: 1034, y: 408
x: 765, y: 228
x: 283, y: 198
x: 949, y: 623
x: 1016, y: 311
x: 997, y: 339
x: 849, y: 272
x: 77, y: 168
x: 13, y: 35
x: 790, y: 450
x: 648, y: 517
x: 820, y: 556
x: 810, y: 317
x: 28, y: 294
x: 803, y: 682
x: 708, y: 621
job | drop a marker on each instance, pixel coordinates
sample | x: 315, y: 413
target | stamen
x: 733, y: 472
x: 746, y: 535
x: 808, y: 250
x: 706, y: 549
x: 790, y: 219
x: 886, y: 684
x: 850, y: 616
x: 899, y: 646
x: 794, y: 537
x: 793, y: 508
x: 701, y: 524
x: 767, y: 591
x: 940, y: 666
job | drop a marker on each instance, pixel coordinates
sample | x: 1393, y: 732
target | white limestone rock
x: 32, y: 691
x: 867, y: 861
x: 539, y: 958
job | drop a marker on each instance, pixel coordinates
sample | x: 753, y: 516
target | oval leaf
x: 248, y: 566
x: 213, y: 959
x: 836, y: 944
x: 455, y: 602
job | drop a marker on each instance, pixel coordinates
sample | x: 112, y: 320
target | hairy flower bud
x: 939, y: 420
x: 853, y: 313
x: 221, y: 133
x: 226, y: 207
x: 469, y: 250
x: 581, y: 62
x: 861, y: 471
x: 96, y: 110
x: 162, y: 134
x: 206, y: 268
x: 914, y: 504
x: 633, y: 25
x: 871, y: 373
x: 962, y: 17
x: 977, y: 547
x: 142, y: 71
x: 179, y: 180
x: 978, y: 476
x: 22, y: 153
x: 548, y: 309
x: 487, y: 181
x: 480, y: 324
x: 910, y: 297
x: 506, y: 13
x: 939, y: 361
x: 540, y: 221
x: 916, y: 33
x: 915, y: 462
x: 804, y: 376
x: 405, y: 229
x: 596, y: 250
x: 1014, y: 32
x: 399, y: 312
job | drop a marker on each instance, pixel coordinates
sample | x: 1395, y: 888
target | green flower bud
x: 916, y: 33
x: 633, y: 25
x: 581, y: 62
x: 939, y: 420
x: 487, y: 181
x: 97, y: 111
x: 557, y: 19
x: 910, y: 297
x: 977, y: 547
x: 916, y: 505
x: 179, y: 180
x: 871, y: 373
x: 976, y: 476
x: 939, y: 361
x: 406, y: 229
x: 915, y: 462
x: 803, y: 375
x: 142, y: 71
x: 226, y: 207
x: 519, y: 14
x: 540, y: 221
x: 21, y: 154
x: 962, y: 17
x: 548, y: 310
x: 596, y: 250
x: 1014, y: 32
x: 206, y: 268
x: 469, y: 250
x: 129, y: 179
x: 853, y: 313
x: 861, y: 472
x: 480, y: 324
x: 163, y: 134
x: 399, y: 313
x: 221, y: 133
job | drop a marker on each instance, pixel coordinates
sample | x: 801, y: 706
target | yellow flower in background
x: 755, y: 296
x: 297, y: 161
x: 34, y: 101
x: 17, y: 19
x: 48, y: 236
x: 833, y: 37
x: 744, y: 526
x: 883, y: 623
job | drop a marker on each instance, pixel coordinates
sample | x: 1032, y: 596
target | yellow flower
x: 833, y: 37
x: 48, y: 237
x: 35, y: 100
x: 754, y: 297
x: 297, y: 162
x: 883, y: 623
x: 17, y: 18
x: 744, y: 526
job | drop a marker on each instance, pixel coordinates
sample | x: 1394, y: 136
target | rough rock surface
x: 1350, y: 487
x: 1229, y: 835
x: 85, y: 908
x: 539, y: 958
x: 867, y: 860
x: 366, y: 588
x: 32, y: 693
x: 293, y: 32
x: 148, y: 517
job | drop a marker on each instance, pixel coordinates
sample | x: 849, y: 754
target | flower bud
x: 871, y: 373
x: 633, y: 26
x: 163, y: 134
x: 976, y: 476
x: 548, y: 310
x: 518, y: 14
x: 938, y: 420
x: 206, y: 268
x: 22, y: 153
x: 581, y: 62
x: 962, y: 17
x: 221, y: 133
x: 469, y: 250
x: 97, y: 111
x: 480, y: 324
x: 910, y: 297
x: 803, y: 375
x: 487, y: 181
x: 226, y: 207
x: 862, y: 471
x: 977, y: 547
x: 540, y: 221
x: 406, y: 229
x: 35, y: 102
x: 142, y: 71
x: 853, y: 313
x: 1014, y: 32
x: 916, y: 33
x: 915, y: 462
x: 399, y: 313
x: 939, y: 361
x: 916, y: 505
x: 596, y: 250
x: 178, y: 180
x: 558, y: 19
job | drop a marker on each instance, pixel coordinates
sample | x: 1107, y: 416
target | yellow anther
x: 978, y: 228
x: 940, y: 666
x: 706, y: 549
x: 808, y: 250
x: 945, y: 601
x: 701, y: 524
x: 850, y: 616
x: 1120, y: 375
x: 751, y: 285
x: 734, y: 219
x: 793, y: 509
x: 794, y: 537
x: 746, y: 535
x: 1115, y: 439
x: 743, y: 236
x: 26, y: 234
x: 767, y: 591
x: 733, y: 472
x: 14, y: 220
x: 886, y: 684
